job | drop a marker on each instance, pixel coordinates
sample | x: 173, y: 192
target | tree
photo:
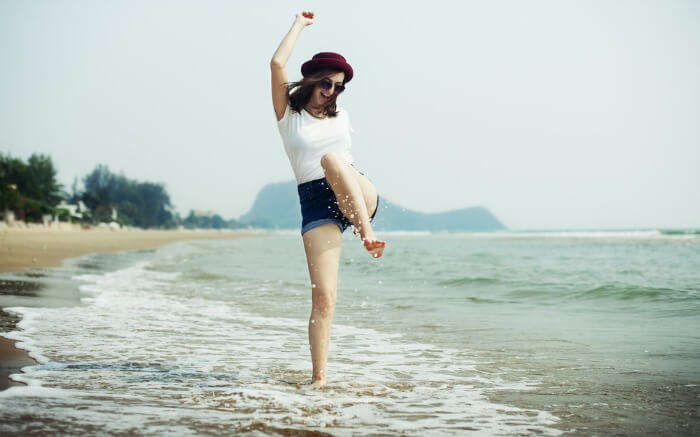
x: 40, y: 183
x: 12, y: 170
x: 99, y: 193
x: 143, y: 204
x: 29, y: 189
x: 75, y: 193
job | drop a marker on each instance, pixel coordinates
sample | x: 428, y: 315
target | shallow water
x: 502, y: 333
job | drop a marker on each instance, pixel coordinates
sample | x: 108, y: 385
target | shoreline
x: 22, y: 249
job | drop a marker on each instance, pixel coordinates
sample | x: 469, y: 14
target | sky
x: 551, y: 114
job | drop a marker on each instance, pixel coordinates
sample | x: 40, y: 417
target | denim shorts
x: 319, y: 206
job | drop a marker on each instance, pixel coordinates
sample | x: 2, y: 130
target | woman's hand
x: 305, y: 18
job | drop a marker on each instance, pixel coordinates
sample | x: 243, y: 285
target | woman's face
x: 320, y: 97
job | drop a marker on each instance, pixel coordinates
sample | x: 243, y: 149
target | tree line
x: 31, y: 190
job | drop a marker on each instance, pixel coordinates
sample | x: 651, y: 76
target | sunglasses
x: 327, y: 84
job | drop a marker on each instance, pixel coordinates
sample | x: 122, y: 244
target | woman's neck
x: 316, y: 112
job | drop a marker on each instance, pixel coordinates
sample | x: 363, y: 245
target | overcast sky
x: 552, y: 114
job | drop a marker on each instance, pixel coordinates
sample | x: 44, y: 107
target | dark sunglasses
x: 327, y: 84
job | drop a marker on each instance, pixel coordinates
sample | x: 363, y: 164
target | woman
x: 332, y: 193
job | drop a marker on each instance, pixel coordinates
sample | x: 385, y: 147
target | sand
x: 24, y: 249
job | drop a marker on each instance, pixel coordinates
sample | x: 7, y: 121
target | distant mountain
x: 277, y: 206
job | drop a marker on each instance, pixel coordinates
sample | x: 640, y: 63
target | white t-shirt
x: 307, y: 138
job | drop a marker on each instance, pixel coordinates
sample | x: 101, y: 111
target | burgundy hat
x: 327, y: 59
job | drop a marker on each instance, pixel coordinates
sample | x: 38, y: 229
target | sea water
x: 508, y: 333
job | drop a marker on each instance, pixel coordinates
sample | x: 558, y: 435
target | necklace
x: 312, y: 114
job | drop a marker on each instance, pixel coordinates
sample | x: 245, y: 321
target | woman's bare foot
x: 316, y: 384
x: 374, y: 246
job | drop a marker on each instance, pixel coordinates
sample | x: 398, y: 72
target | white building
x: 75, y: 211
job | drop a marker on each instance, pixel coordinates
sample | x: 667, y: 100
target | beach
x: 24, y: 249
x: 502, y: 333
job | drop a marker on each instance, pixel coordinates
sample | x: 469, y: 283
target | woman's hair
x: 299, y: 97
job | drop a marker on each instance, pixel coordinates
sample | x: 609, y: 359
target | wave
x: 474, y: 299
x: 634, y: 292
x: 142, y: 334
x: 469, y: 280
x: 680, y: 231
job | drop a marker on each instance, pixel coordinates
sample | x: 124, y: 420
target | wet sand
x: 24, y: 249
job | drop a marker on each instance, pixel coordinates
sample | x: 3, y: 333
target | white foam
x: 137, y: 340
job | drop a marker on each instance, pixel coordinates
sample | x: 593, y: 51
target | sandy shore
x: 24, y: 249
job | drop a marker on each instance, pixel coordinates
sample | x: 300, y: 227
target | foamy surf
x: 147, y: 351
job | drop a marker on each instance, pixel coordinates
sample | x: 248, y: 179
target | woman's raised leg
x: 351, y: 201
x: 322, y: 245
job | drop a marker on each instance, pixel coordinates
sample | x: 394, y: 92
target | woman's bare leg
x: 322, y: 245
x: 351, y: 201
x: 369, y: 192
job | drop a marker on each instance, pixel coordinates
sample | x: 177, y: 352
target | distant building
x: 75, y: 211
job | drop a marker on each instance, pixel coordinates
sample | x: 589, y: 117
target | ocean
x: 504, y: 333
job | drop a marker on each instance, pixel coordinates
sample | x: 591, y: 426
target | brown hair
x: 304, y: 89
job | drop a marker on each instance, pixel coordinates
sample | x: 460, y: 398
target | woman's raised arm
x: 279, y: 61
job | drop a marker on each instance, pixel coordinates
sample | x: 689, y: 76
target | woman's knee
x: 330, y: 160
x: 323, y: 301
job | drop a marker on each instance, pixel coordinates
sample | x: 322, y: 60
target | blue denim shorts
x: 319, y: 205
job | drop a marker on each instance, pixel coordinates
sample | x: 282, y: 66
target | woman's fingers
x: 305, y: 17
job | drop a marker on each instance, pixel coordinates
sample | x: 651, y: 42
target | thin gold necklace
x: 312, y: 114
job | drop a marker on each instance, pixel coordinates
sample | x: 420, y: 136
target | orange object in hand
x: 308, y: 14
